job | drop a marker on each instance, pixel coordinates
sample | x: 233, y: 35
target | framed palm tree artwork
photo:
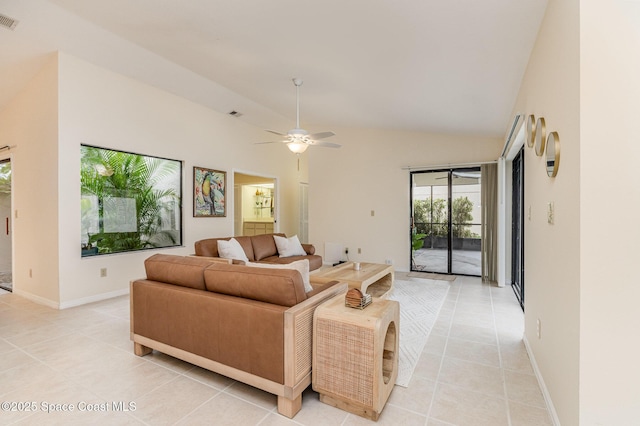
x: 209, y: 192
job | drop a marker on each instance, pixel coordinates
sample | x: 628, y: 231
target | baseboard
x: 96, y: 298
x: 38, y: 299
x: 543, y: 387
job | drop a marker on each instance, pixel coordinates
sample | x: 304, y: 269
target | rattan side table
x: 355, y: 355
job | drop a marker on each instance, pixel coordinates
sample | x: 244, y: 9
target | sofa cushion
x: 288, y: 247
x: 185, y: 271
x: 264, y: 246
x: 282, y: 287
x: 315, y: 261
x: 231, y: 250
x: 209, y: 246
x: 301, y: 266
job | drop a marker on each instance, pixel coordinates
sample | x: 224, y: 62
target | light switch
x: 550, y: 212
x: 373, y: 212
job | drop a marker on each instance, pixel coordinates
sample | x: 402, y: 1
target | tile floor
x: 474, y: 371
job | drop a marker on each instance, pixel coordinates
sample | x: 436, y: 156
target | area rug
x: 420, y: 303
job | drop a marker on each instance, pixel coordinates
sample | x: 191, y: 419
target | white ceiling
x: 447, y: 66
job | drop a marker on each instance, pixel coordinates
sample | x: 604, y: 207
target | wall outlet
x: 30, y: 273
x: 103, y: 272
x: 359, y: 250
x: 346, y: 250
x: 538, y: 327
x: 373, y: 212
x: 388, y: 261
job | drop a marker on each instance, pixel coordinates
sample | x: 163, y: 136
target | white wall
x: 551, y: 89
x: 98, y: 107
x: 580, y: 279
x: 29, y: 124
x: 609, y: 243
x: 367, y: 174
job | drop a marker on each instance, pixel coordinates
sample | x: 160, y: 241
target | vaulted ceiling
x: 451, y: 66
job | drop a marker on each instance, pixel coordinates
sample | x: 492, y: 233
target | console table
x: 355, y: 355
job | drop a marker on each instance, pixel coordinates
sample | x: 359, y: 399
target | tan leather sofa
x: 259, y: 248
x: 251, y: 324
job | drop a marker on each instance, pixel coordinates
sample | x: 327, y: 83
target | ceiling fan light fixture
x: 297, y: 139
x: 297, y: 147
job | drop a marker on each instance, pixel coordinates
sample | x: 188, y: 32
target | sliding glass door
x: 446, y: 227
x: 517, y: 227
x: 430, y: 205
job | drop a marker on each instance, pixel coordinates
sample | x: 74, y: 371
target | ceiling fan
x: 298, y: 140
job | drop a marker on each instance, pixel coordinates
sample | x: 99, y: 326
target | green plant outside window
x: 128, y: 201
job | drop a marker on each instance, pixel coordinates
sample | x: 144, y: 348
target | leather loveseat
x: 251, y: 324
x: 259, y: 248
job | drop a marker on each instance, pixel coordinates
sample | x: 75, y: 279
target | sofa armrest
x: 298, y: 330
x: 309, y: 248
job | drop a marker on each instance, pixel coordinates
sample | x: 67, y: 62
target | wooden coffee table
x: 373, y: 278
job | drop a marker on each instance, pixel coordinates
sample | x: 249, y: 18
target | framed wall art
x: 209, y: 192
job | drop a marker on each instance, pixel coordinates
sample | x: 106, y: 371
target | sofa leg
x: 289, y: 407
x: 141, y: 350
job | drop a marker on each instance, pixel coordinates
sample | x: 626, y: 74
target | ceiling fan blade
x: 262, y: 143
x: 321, y: 135
x: 325, y: 144
x: 275, y: 133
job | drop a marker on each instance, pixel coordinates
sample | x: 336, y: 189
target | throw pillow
x: 301, y: 266
x: 231, y: 250
x: 288, y: 247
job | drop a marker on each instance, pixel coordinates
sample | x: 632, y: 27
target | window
x: 129, y: 201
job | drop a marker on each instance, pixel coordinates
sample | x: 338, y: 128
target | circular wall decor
x: 553, y: 154
x: 541, y: 136
x: 531, y: 130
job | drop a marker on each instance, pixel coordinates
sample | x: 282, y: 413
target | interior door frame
x: 237, y: 203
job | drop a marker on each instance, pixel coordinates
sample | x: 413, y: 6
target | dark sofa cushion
x: 264, y: 246
x: 282, y: 287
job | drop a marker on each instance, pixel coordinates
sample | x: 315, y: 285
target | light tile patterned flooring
x: 474, y: 371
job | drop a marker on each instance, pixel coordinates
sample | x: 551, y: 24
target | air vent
x: 7, y: 22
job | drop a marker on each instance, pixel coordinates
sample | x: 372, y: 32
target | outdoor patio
x: 465, y: 262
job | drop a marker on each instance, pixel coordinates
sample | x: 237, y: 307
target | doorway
x: 6, y: 273
x: 446, y: 221
x: 254, y: 204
